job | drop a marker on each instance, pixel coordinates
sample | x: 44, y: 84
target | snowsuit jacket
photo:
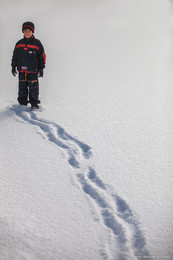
x: 29, y: 55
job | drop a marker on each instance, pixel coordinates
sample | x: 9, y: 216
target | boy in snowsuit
x: 29, y: 58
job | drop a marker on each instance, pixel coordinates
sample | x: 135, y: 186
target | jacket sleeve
x: 14, y: 57
x: 41, y: 57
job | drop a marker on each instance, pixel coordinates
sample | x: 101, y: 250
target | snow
x: 89, y: 175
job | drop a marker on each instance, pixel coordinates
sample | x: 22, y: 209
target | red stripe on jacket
x: 28, y: 46
x: 44, y: 57
x: 20, y: 45
x: 28, y: 71
x: 33, y: 46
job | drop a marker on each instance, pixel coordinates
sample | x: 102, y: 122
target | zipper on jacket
x: 26, y: 45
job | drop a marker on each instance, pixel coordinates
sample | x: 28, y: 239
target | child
x: 29, y: 58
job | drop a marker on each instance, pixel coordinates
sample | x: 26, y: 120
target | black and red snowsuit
x: 29, y: 58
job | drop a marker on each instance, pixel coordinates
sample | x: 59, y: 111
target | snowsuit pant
x: 28, y: 84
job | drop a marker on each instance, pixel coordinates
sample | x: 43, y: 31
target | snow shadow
x: 124, y: 212
x: 119, y: 218
x: 55, y: 134
x: 115, y: 214
x: 108, y: 218
x: 94, y: 178
x: 61, y: 133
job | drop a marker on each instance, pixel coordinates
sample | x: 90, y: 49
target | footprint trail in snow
x: 114, y: 212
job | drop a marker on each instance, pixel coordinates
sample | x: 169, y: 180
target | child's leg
x: 23, y: 89
x: 33, y: 88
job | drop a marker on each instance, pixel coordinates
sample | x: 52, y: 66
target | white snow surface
x: 89, y: 176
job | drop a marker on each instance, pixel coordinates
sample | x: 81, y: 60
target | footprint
x: 115, y: 213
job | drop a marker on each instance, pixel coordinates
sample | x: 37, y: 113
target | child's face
x: 27, y: 33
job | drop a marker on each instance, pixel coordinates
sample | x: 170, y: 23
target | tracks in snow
x: 114, y: 212
x: 57, y: 135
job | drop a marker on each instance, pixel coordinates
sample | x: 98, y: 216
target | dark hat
x: 28, y: 25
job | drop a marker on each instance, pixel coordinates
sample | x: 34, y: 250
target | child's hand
x: 40, y: 73
x: 14, y: 71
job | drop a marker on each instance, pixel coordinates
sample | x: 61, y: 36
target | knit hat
x: 28, y: 25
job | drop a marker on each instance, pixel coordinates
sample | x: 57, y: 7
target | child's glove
x: 14, y: 71
x: 40, y: 73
